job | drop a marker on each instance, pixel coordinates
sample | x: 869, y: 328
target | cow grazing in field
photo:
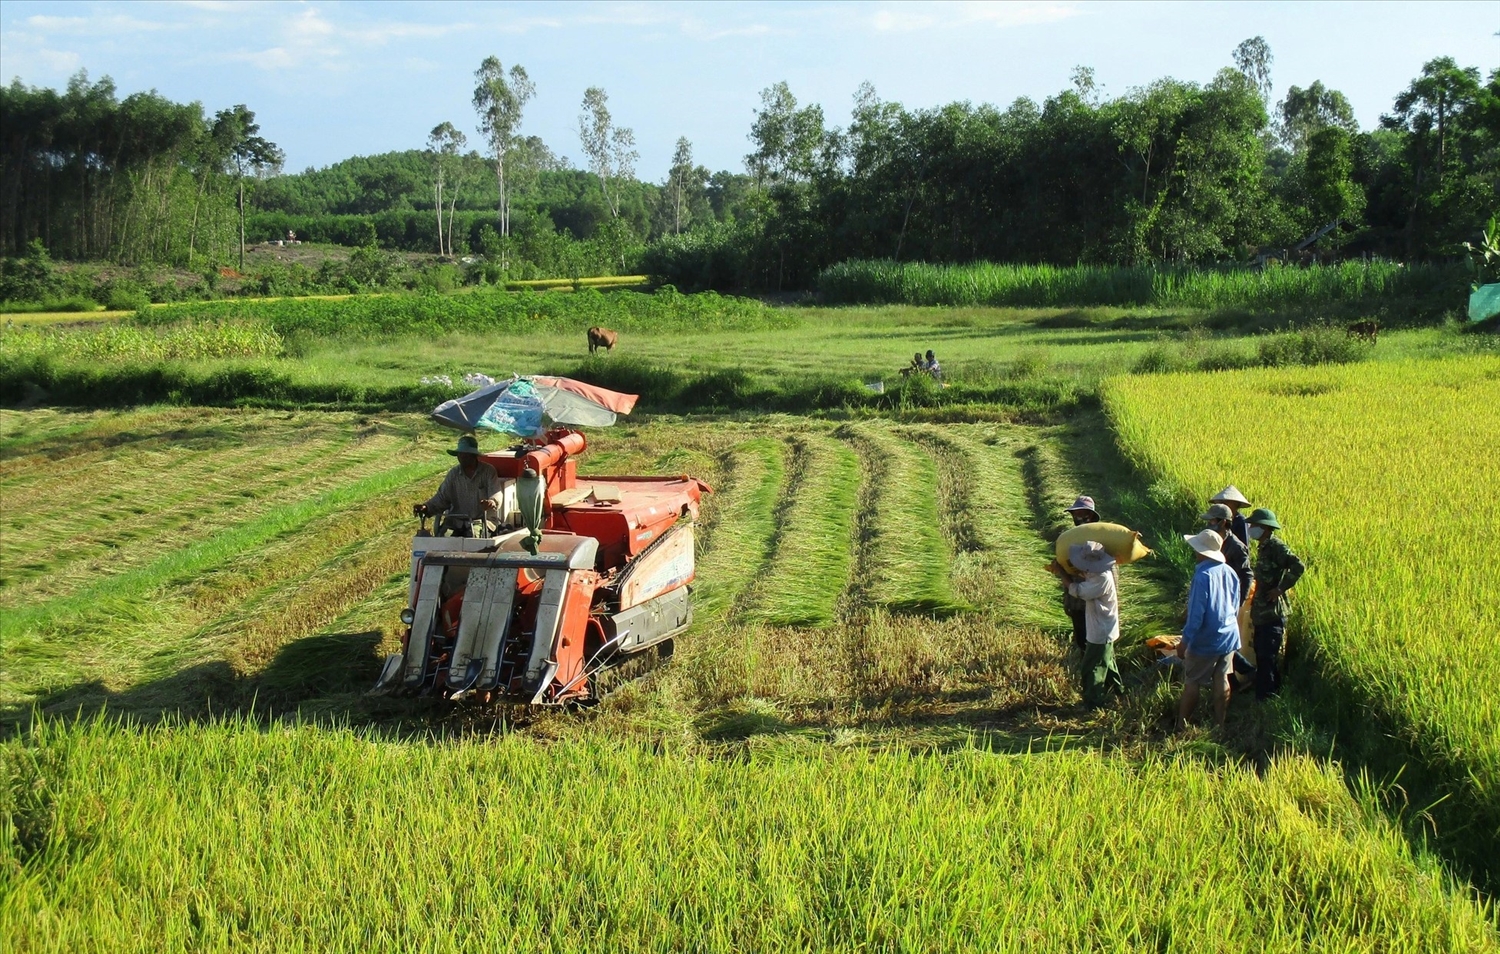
x: 1365, y: 330
x: 602, y: 338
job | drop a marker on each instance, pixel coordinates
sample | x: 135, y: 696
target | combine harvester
x: 572, y: 575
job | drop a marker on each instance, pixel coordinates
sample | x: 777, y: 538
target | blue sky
x: 330, y: 80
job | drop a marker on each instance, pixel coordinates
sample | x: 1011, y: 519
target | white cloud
x: 273, y: 58
x: 93, y: 26
x: 40, y: 61
x: 959, y: 13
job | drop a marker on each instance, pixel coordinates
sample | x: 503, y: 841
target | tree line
x: 1170, y: 173
x: 138, y: 180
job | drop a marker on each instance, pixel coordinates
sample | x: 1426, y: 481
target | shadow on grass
x: 320, y: 679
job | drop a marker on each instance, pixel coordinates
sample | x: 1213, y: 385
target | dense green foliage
x: 880, y: 282
x: 138, y: 180
x: 1171, y: 173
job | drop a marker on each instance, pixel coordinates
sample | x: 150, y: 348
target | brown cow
x: 602, y: 338
x: 1365, y: 330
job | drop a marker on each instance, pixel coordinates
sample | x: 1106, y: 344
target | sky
x: 328, y: 80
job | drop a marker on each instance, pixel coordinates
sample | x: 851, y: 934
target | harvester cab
x: 572, y: 576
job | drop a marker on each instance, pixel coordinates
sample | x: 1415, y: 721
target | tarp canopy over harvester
x: 526, y: 405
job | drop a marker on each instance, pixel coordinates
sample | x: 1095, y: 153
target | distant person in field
x: 1082, y: 512
x: 1277, y: 570
x: 1098, y: 590
x: 1232, y: 498
x: 931, y: 365
x: 471, y: 488
x: 1211, y: 635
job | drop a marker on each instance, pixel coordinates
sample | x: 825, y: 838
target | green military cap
x: 1262, y: 517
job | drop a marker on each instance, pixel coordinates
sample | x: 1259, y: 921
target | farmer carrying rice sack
x: 1098, y: 588
x: 1082, y: 512
x: 1122, y: 543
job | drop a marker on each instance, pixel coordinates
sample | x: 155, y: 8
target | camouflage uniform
x: 1278, y: 568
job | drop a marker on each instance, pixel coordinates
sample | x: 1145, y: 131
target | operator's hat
x: 1082, y: 503
x: 1208, y: 543
x: 466, y: 445
x: 1218, y: 511
x: 1262, y: 517
x: 1230, y: 495
x: 1090, y: 557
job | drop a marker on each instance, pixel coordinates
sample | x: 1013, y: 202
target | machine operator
x: 470, y: 488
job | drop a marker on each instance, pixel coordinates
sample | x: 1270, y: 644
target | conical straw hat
x: 1230, y: 494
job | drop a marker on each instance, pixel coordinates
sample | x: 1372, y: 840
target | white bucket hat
x: 1206, y: 542
x: 1230, y: 495
x: 1090, y: 557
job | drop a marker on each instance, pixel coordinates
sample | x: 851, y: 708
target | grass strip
x: 227, y: 837
x: 812, y: 560
x: 143, y: 511
x: 184, y: 564
x: 131, y: 542
x: 904, y: 557
x: 743, y: 528
x: 197, y: 640
x: 988, y: 518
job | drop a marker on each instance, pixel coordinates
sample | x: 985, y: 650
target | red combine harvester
x: 487, y: 618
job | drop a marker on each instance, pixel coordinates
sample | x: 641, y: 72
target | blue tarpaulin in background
x: 1485, y: 302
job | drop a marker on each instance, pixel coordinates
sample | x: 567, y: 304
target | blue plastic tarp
x: 1485, y: 302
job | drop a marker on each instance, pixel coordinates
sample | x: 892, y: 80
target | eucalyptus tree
x: 445, y: 146
x: 247, y: 154
x: 610, y: 149
x: 611, y: 154
x: 1448, y: 190
x: 1306, y: 112
x: 680, y: 179
x: 1253, y: 59
x: 787, y: 138
x: 500, y: 99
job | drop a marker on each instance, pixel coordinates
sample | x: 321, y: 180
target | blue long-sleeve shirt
x: 1212, y: 628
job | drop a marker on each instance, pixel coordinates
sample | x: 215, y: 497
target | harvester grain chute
x: 572, y: 575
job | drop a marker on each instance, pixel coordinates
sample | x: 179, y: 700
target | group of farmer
x: 1227, y: 581
x: 920, y: 365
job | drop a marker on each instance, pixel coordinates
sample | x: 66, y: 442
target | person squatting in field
x: 1211, y: 634
x: 1082, y: 512
x: 470, y: 488
x: 1277, y: 570
x: 1098, y: 590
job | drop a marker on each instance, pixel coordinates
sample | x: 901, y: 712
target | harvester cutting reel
x: 487, y: 619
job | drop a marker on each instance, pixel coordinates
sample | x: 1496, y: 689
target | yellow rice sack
x: 1123, y: 543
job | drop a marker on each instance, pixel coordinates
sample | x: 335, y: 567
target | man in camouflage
x: 1277, y: 570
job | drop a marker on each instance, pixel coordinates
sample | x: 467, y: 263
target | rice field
x: 828, y: 761
x: 1383, y: 477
